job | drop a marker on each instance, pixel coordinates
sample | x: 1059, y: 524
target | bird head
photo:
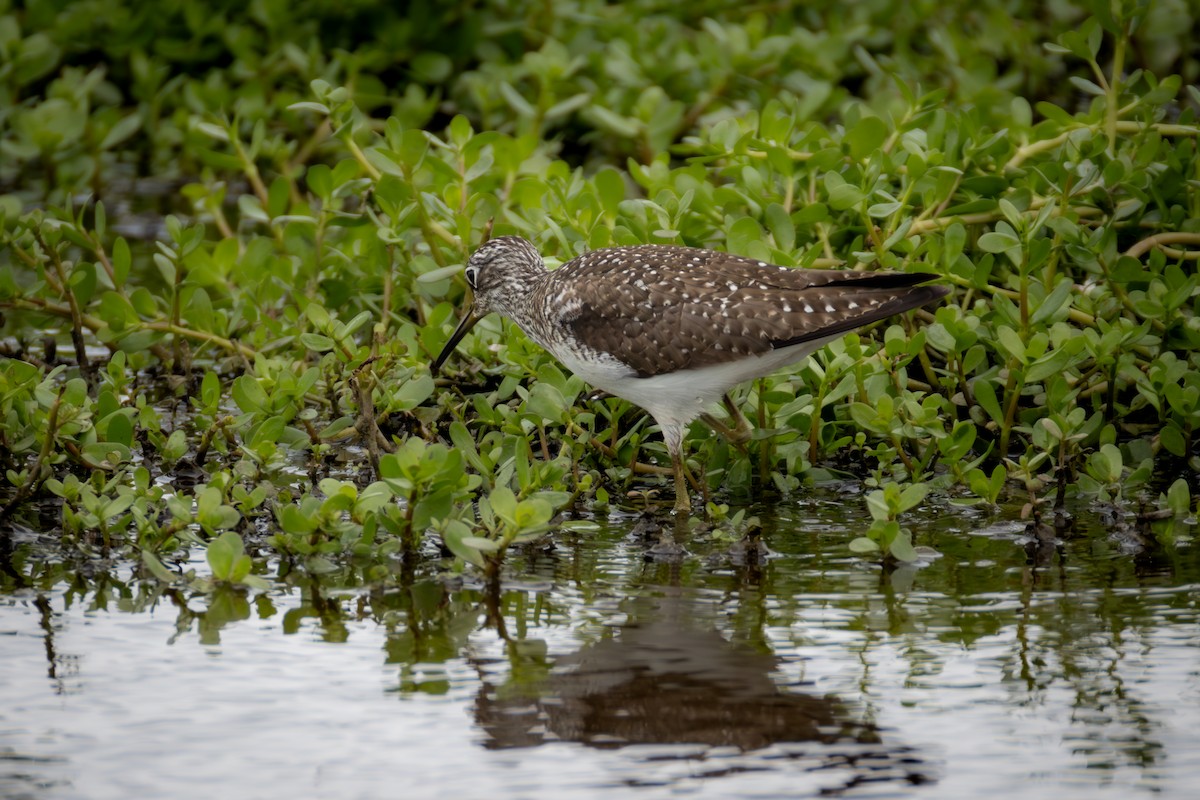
x: 501, y: 273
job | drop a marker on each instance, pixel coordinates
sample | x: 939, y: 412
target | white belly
x: 676, y: 398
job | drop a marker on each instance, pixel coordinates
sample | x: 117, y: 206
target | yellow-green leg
x: 683, y: 498
x: 739, y: 433
x: 742, y: 431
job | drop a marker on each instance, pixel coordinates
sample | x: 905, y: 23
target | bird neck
x: 518, y: 295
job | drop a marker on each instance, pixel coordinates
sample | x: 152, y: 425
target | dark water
x: 999, y: 669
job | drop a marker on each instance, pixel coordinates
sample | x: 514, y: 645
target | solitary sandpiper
x: 672, y: 328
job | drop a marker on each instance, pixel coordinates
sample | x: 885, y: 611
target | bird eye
x: 472, y: 273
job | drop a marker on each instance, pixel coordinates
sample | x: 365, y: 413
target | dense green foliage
x: 244, y: 226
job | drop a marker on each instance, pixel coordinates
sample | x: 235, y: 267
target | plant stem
x: 35, y: 473
x: 1118, y: 127
x: 1012, y: 392
x: 1114, y: 92
x: 1170, y: 237
x: 361, y: 158
x: 76, y: 315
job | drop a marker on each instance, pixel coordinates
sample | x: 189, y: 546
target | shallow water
x: 996, y: 669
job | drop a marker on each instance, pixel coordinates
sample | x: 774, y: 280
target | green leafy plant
x: 225, y: 264
x: 229, y: 562
x: 886, y: 537
x: 503, y: 521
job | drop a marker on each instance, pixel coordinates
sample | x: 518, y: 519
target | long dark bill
x: 465, y: 324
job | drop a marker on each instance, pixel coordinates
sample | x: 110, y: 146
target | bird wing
x: 661, y: 309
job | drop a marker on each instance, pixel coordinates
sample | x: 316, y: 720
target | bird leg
x: 740, y: 433
x: 683, y: 500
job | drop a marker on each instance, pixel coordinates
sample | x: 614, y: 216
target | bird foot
x: 666, y: 549
x: 750, y: 550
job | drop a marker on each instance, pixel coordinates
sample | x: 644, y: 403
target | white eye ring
x: 471, y: 273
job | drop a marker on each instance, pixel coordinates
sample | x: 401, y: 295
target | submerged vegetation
x: 231, y: 242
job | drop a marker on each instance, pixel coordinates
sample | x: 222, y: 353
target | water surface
x: 999, y: 668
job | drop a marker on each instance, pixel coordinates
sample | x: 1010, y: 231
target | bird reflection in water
x: 666, y: 678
